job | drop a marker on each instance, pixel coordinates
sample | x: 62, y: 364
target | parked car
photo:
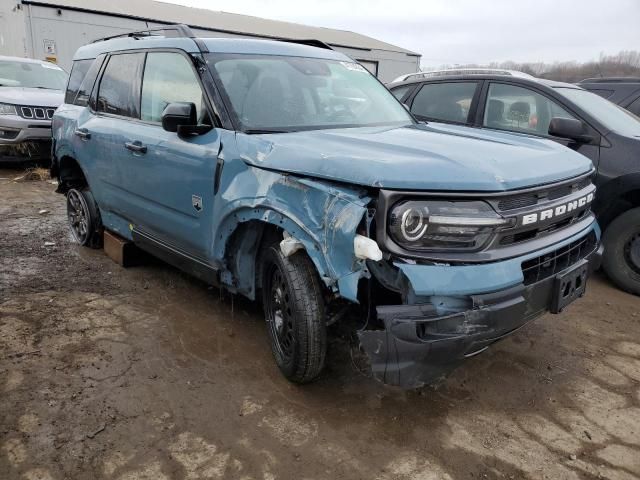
x: 30, y: 91
x: 574, y: 117
x: 287, y: 173
x: 623, y: 91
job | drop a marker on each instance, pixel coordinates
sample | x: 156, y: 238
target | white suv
x: 30, y: 92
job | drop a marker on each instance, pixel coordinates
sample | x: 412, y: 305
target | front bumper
x: 421, y: 343
x: 22, y: 138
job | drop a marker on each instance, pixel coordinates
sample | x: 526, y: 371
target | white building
x: 54, y: 29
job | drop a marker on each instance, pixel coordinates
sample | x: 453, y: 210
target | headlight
x: 441, y: 225
x: 6, y: 109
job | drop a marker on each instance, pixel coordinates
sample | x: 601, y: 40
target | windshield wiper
x: 257, y: 131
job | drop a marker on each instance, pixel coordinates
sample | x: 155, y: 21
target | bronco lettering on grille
x: 556, y: 211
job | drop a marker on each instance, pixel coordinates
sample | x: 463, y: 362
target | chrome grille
x: 37, y: 113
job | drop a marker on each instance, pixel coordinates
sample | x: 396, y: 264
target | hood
x: 416, y: 157
x: 35, y: 97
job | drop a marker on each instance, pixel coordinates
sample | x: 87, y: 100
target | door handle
x: 83, y: 133
x: 136, y: 147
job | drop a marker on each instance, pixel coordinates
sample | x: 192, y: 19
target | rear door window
x: 444, y: 102
x: 519, y: 109
x: 119, y: 92
x: 78, y: 72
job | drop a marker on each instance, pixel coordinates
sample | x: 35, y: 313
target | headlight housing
x: 6, y: 109
x: 438, y: 225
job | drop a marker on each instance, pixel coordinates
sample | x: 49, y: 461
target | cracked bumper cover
x: 418, y: 346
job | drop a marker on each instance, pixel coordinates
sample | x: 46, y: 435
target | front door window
x: 520, y: 109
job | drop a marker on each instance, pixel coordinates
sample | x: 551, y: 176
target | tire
x: 84, y: 218
x: 621, y: 259
x: 295, y: 313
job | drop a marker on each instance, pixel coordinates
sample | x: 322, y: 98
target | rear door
x: 448, y: 102
x: 516, y: 108
x: 115, y: 107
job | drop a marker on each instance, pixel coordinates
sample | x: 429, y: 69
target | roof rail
x: 311, y: 42
x: 462, y: 71
x: 169, y: 31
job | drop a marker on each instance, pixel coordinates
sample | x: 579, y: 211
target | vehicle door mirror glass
x: 569, y: 128
x: 179, y: 114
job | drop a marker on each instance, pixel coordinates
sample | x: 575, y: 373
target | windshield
x: 276, y: 93
x: 609, y: 114
x: 32, y: 75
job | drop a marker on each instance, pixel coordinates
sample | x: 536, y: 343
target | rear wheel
x: 621, y: 259
x: 295, y: 314
x: 84, y: 219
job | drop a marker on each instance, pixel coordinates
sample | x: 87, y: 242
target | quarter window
x: 400, y: 92
x: 635, y: 107
x: 119, y: 92
x: 519, y: 109
x: 78, y: 72
x: 168, y: 78
x: 446, y: 102
x: 82, y: 98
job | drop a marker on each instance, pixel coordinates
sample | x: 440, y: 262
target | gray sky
x: 467, y: 31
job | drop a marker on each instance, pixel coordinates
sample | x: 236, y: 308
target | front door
x: 168, y: 180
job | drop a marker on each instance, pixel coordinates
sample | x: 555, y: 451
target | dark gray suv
x: 623, y: 91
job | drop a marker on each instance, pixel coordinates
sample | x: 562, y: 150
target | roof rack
x: 169, y: 31
x: 462, y: 71
x: 611, y: 80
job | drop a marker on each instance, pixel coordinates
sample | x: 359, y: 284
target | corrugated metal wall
x: 45, y: 32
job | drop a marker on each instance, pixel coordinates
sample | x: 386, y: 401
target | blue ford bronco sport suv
x: 287, y: 173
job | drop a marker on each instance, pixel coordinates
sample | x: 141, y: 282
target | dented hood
x: 416, y: 157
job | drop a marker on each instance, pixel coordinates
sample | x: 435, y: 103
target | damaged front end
x: 413, y: 344
x: 439, y: 275
x: 431, y: 311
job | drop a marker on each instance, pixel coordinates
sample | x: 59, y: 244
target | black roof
x: 611, y: 80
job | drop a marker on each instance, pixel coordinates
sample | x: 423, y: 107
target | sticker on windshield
x: 355, y: 67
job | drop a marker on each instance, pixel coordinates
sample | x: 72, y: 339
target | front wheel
x: 621, y: 259
x: 84, y: 219
x: 295, y: 314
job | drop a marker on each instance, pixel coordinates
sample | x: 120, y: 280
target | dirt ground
x: 145, y: 373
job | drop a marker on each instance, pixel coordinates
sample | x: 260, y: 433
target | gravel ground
x: 145, y: 373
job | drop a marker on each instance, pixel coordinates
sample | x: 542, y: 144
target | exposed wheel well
x: 243, y: 255
x: 70, y: 174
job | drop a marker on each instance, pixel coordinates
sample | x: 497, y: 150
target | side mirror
x: 569, y: 128
x: 179, y: 114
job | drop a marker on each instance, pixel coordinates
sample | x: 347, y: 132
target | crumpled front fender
x: 322, y: 215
